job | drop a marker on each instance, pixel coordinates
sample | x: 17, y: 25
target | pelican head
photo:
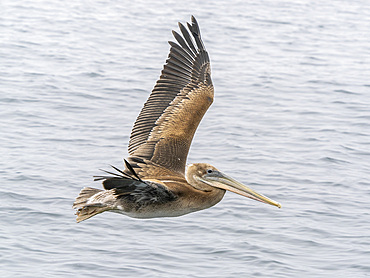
x: 206, y: 177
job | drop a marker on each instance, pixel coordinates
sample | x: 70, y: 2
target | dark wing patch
x: 129, y: 173
x: 136, y: 192
x: 165, y: 127
x: 145, y: 194
x: 123, y: 183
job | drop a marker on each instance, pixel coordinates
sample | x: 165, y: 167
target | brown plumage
x: 154, y: 183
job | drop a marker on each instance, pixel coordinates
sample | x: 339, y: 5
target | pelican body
x: 156, y: 181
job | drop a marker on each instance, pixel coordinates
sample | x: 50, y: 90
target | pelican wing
x: 165, y: 127
x: 139, y: 193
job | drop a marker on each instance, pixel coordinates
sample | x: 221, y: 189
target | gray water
x: 291, y: 118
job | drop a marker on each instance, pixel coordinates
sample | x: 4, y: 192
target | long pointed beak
x: 225, y: 182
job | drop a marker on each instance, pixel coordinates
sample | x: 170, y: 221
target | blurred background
x: 291, y: 118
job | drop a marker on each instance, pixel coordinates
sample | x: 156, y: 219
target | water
x: 291, y: 118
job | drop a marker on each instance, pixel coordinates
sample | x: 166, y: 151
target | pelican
x: 156, y: 181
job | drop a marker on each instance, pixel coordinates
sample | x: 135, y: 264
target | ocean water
x: 291, y: 118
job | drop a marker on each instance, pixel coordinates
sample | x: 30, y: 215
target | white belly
x: 155, y: 213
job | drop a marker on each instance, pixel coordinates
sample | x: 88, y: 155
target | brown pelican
x: 154, y: 182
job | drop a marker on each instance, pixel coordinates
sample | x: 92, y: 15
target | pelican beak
x: 220, y: 180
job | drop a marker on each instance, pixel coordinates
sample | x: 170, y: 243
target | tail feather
x: 85, y: 210
x: 84, y: 196
x: 89, y: 211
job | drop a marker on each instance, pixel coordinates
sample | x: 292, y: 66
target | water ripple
x: 290, y: 119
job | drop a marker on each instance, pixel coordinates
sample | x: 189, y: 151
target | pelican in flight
x: 156, y: 181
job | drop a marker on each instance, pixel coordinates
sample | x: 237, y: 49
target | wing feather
x: 187, y: 37
x: 183, y: 44
x: 162, y: 134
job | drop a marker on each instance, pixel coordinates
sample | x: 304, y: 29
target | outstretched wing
x: 165, y: 127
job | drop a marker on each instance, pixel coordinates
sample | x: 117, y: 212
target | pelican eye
x: 209, y: 171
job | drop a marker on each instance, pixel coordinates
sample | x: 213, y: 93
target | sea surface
x: 291, y: 119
